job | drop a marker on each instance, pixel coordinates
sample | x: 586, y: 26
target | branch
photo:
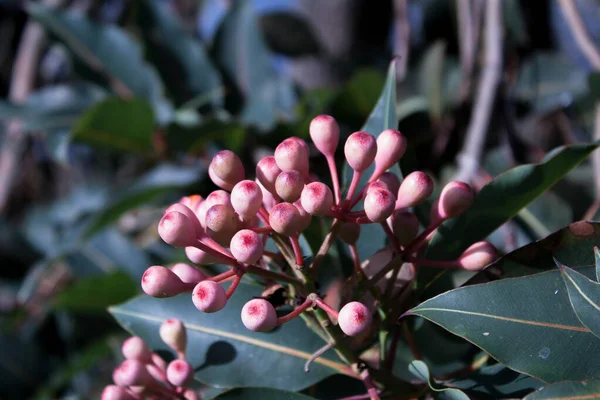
x: 401, y: 37
x: 468, y: 159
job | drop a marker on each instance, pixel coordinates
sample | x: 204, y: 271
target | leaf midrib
x: 341, y: 368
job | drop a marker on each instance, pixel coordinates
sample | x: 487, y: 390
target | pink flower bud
x: 214, y: 198
x: 478, y: 256
x: 177, y: 230
x: 267, y: 171
x: 180, y: 373
x: 187, y: 273
x: 285, y: 219
x: 161, y: 282
x: 192, y: 202
x: 305, y: 217
x: 221, y: 223
x: 379, y: 204
x: 391, y: 146
x: 112, y: 392
x: 189, y: 394
x: 391, y: 180
x: 246, y: 199
x: 157, y: 373
x: 292, y: 154
x: 209, y: 296
x: 135, y: 348
x: 289, y: 185
x: 456, y: 198
x: 414, y: 190
x: 376, y: 185
x: 200, y: 257
x: 188, y: 212
x: 405, y: 226
x: 259, y: 315
x: 360, y: 150
x: 354, y: 318
x: 268, y: 198
x: 132, y: 373
x: 227, y: 167
x: 173, y: 333
x: 246, y: 246
x: 317, y: 199
x: 349, y: 232
x: 325, y: 134
x: 159, y: 362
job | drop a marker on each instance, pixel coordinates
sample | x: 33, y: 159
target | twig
x: 401, y: 38
x: 316, y: 355
x: 468, y: 159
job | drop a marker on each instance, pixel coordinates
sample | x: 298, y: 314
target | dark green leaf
x: 498, y: 202
x: 252, y: 393
x: 180, y: 57
x: 195, y: 138
x: 223, y: 352
x: 94, y: 294
x: 288, y: 34
x: 420, y: 371
x: 594, y: 85
x: 584, y: 295
x: 515, y: 24
x: 525, y: 323
x: 163, y: 179
x: 597, y: 261
x: 118, y: 124
x: 567, y: 390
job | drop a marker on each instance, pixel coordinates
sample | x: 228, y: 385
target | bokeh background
x: 111, y: 109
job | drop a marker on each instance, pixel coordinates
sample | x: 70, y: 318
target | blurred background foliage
x: 111, y: 109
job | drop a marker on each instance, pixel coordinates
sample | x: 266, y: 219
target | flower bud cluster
x: 145, y: 375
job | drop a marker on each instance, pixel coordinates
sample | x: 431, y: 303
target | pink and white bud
x: 267, y: 171
x: 379, y: 204
x: 200, y: 257
x: 414, y: 190
x: 159, y: 362
x: 478, y: 256
x: 174, y: 334
x: 190, y: 394
x: 246, y: 246
x: 391, y: 146
x: 246, y: 199
x: 112, y: 392
x: 289, y: 185
x: 187, y: 273
x: 456, y: 198
x: 305, y: 217
x: 325, y: 134
x: 192, y: 202
x: 180, y: 373
x: 132, y: 373
x: 259, y: 315
x: 360, y: 150
x: 391, y: 180
x: 214, y: 198
x: 349, y: 232
x: 189, y: 213
x: 227, y: 167
x: 209, y: 296
x: 285, y: 219
x: 221, y: 223
x: 292, y: 154
x: 135, y: 348
x: 354, y: 318
x: 161, y: 282
x: 177, y: 230
x: 317, y: 199
x: 405, y: 226
x: 268, y: 198
x: 376, y: 185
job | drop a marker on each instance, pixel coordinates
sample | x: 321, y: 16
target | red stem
x: 262, y: 211
x: 391, y: 237
x: 369, y: 385
x: 262, y: 229
x: 419, y: 240
x: 391, y: 356
x: 297, y: 251
x: 234, y: 285
x: 254, y: 270
x: 277, y: 256
x: 353, y: 185
x: 222, y: 276
x: 226, y: 259
x: 326, y: 307
x: 334, y: 178
x: 297, y: 311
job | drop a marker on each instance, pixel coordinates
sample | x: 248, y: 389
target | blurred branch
x: 588, y: 48
x: 466, y: 44
x: 24, y: 72
x: 401, y: 38
x: 468, y: 159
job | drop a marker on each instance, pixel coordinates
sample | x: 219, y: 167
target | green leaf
x: 525, y: 323
x: 594, y: 85
x: 420, y: 371
x: 262, y: 393
x: 498, y: 202
x: 567, y: 390
x: 161, y: 180
x: 94, y: 294
x: 383, y: 116
x: 289, y: 34
x: 244, y: 55
x: 584, y: 295
x: 180, y: 57
x: 597, y: 261
x: 109, y: 54
x: 223, y: 352
x: 119, y: 125
x: 432, y: 72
